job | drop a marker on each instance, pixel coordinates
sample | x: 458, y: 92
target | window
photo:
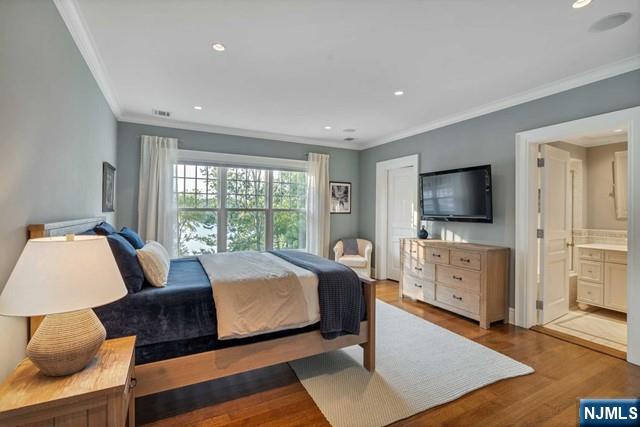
x: 239, y: 208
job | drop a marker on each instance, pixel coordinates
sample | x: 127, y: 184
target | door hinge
x: 541, y: 162
x: 540, y: 233
x: 539, y: 305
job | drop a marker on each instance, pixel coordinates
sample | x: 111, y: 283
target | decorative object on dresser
x: 101, y: 395
x: 63, y: 277
x: 423, y: 233
x: 340, y: 197
x: 602, y: 275
x: 466, y: 278
x: 360, y: 262
x: 108, y: 187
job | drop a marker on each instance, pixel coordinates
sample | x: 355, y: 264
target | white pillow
x: 154, y: 260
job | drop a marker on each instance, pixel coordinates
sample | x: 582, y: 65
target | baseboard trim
x: 512, y: 316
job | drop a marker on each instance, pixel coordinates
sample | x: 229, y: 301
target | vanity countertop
x: 603, y: 246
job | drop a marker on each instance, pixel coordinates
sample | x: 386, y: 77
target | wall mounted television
x: 463, y: 195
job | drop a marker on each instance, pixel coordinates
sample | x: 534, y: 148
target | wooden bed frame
x: 182, y: 371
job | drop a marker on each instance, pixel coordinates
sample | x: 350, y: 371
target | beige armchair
x: 360, y: 263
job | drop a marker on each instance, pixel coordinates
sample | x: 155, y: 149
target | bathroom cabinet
x: 602, y: 276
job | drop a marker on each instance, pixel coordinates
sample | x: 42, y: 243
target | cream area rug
x: 419, y: 365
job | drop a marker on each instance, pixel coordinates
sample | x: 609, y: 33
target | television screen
x: 457, y: 195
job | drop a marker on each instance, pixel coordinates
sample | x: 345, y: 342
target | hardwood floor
x: 274, y: 396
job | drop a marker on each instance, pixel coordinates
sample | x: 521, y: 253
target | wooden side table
x: 100, y: 395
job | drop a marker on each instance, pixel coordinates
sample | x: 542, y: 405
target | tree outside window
x: 234, y: 208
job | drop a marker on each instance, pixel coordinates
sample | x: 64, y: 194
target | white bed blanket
x: 257, y: 293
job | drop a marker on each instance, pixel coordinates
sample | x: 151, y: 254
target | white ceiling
x: 605, y: 137
x: 293, y: 66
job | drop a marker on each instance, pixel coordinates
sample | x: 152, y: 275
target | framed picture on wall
x: 340, y: 197
x: 108, y: 187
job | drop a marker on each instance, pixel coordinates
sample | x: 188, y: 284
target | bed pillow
x: 127, y: 260
x: 155, y: 262
x: 104, y: 229
x: 132, y: 237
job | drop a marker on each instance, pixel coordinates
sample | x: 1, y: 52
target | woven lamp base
x: 66, y: 343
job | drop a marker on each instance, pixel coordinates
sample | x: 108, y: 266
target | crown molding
x: 70, y: 13
x: 178, y: 124
x: 611, y: 70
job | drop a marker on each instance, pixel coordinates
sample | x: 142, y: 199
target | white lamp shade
x: 57, y: 275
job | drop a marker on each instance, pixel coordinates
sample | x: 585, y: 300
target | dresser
x: 465, y: 278
x: 602, y: 275
x: 101, y: 395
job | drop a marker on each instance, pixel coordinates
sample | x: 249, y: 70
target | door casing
x: 382, y: 169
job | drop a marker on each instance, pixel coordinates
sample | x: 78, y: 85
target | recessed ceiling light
x: 218, y: 47
x: 349, y: 130
x: 618, y: 130
x: 610, y: 22
x: 398, y: 93
x: 581, y: 3
x: 197, y: 107
x: 327, y: 128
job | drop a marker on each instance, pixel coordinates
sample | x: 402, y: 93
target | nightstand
x: 100, y: 395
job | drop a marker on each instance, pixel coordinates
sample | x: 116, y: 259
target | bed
x: 176, y: 328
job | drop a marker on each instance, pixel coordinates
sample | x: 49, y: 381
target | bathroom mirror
x: 620, y: 183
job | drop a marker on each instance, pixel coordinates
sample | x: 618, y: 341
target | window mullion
x: 222, y: 213
x: 269, y: 211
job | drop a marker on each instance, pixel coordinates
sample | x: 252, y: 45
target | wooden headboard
x: 57, y: 229
x: 62, y: 228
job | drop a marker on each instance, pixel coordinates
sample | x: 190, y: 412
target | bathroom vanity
x: 602, y: 275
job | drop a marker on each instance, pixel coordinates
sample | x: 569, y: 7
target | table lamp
x: 63, y: 278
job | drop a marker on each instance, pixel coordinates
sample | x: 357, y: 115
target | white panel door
x: 402, y: 193
x: 556, y: 223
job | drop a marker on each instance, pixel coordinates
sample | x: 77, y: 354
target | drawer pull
x: 417, y: 286
x: 456, y: 297
x: 133, y: 383
x: 457, y: 277
x: 413, y: 252
x: 435, y: 255
x: 418, y: 268
x: 465, y: 259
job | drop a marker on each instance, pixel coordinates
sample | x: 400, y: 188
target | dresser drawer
x: 616, y: 257
x: 412, y: 287
x: 437, y: 255
x: 592, y: 293
x: 466, y: 279
x: 465, y: 259
x: 591, y: 270
x: 591, y: 254
x: 422, y: 270
x: 460, y: 299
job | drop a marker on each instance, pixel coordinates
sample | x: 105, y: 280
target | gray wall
x: 56, y: 131
x: 491, y: 139
x: 343, y: 166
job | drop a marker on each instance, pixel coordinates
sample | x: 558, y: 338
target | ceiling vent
x: 161, y: 113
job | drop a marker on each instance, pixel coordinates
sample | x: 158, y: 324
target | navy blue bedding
x: 181, y: 310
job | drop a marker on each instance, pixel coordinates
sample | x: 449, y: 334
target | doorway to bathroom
x: 582, y: 239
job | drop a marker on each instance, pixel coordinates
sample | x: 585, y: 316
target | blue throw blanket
x: 339, y: 291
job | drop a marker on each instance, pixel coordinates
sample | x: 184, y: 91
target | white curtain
x: 157, y: 211
x: 318, y: 198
